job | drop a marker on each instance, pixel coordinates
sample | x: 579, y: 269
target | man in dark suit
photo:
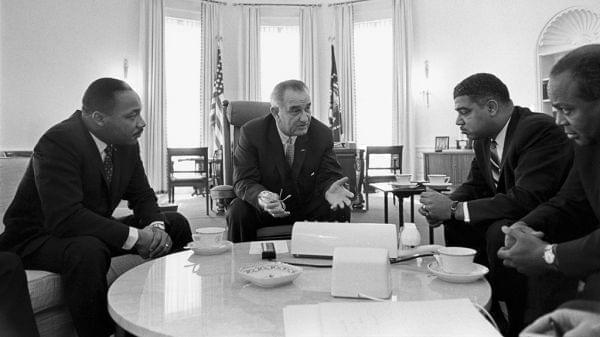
x: 16, y: 315
x: 285, y: 169
x: 61, y: 217
x: 521, y: 160
x: 574, y: 89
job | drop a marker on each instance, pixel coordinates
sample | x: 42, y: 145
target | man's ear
x: 98, y: 118
x: 492, y: 107
x: 275, y: 111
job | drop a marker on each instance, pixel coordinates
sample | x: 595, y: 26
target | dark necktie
x: 289, y: 151
x: 108, y: 163
x: 494, y: 162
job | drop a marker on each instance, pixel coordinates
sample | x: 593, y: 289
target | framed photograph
x: 442, y: 143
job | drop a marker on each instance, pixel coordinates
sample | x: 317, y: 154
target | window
x: 184, y: 84
x: 373, y: 82
x: 279, y: 56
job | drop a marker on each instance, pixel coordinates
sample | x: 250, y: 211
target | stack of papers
x: 411, y: 319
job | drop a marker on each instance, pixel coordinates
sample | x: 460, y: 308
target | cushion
x: 222, y: 192
x: 45, y: 288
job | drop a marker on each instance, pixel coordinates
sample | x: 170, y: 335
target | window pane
x: 183, y: 78
x: 279, y: 56
x: 373, y: 78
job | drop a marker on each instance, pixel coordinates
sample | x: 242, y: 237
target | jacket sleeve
x: 543, y: 160
x: 580, y: 257
x: 246, y: 174
x: 140, y: 196
x: 58, y: 178
x: 566, y: 216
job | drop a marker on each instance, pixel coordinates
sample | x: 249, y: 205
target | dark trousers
x: 83, y: 262
x: 16, y: 315
x: 526, y: 297
x: 243, y: 219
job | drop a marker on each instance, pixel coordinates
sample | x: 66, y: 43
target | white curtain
x: 211, y: 35
x: 250, y: 47
x: 308, y: 49
x: 403, y: 118
x: 154, y: 150
x: 344, y: 33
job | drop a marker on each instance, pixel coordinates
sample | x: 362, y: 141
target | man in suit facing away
x: 284, y: 168
x: 521, y: 160
x: 60, y: 219
x: 574, y: 89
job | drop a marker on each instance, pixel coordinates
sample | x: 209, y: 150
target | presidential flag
x: 335, y: 115
x: 216, y: 104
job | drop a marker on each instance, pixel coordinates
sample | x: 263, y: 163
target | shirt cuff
x: 131, y: 239
x: 466, y: 216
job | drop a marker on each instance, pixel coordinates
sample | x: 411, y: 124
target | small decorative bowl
x: 270, y: 274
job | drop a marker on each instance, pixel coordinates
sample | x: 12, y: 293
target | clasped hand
x: 271, y: 203
x: 523, y: 248
x: 436, y: 207
x: 337, y: 195
x: 153, y: 242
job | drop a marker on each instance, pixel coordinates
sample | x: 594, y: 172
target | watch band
x: 453, y: 208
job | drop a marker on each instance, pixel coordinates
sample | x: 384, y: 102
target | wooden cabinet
x: 455, y: 164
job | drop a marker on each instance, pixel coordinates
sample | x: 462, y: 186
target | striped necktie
x: 289, y: 151
x: 494, y: 162
x: 108, y: 163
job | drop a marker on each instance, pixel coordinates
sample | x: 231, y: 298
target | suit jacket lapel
x: 300, y: 148
x: 276, y: 148
x: 116, y: 177
x: 93, y: 152
x: 486, y: 165
x: 510, y: 130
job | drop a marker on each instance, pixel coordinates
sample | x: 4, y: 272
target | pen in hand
x: 558, y: 331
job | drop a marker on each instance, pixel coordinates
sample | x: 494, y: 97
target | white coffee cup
x: 438, y: 179
x: 208, y: 236
x: 403, y: 179
x: 456, y: 260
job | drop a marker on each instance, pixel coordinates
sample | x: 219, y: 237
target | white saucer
x: 458, y: 278
x: 411, y: 185
x: 222, y: 247
x: 270, y: 274
x: 444, y: 185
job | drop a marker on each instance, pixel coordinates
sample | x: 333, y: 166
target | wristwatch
x: 158, y: 225
x: 550, y: 255
x: 453, y: 208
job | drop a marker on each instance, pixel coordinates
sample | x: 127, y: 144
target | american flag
x: 216, y: 104
x: 335, y: 115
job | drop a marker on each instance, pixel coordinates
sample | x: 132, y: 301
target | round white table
x: 191, y: 295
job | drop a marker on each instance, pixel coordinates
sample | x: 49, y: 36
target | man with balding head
x: 60, y: 219
x: 284, y: 168
x: 574, y: 90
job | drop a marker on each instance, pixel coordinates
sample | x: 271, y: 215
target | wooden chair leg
x: 207, y: 196
x: 366, y: 197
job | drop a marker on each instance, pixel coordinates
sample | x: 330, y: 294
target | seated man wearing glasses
x: 284, y: 168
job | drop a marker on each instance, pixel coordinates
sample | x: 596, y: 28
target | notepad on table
x: 456, y: 317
